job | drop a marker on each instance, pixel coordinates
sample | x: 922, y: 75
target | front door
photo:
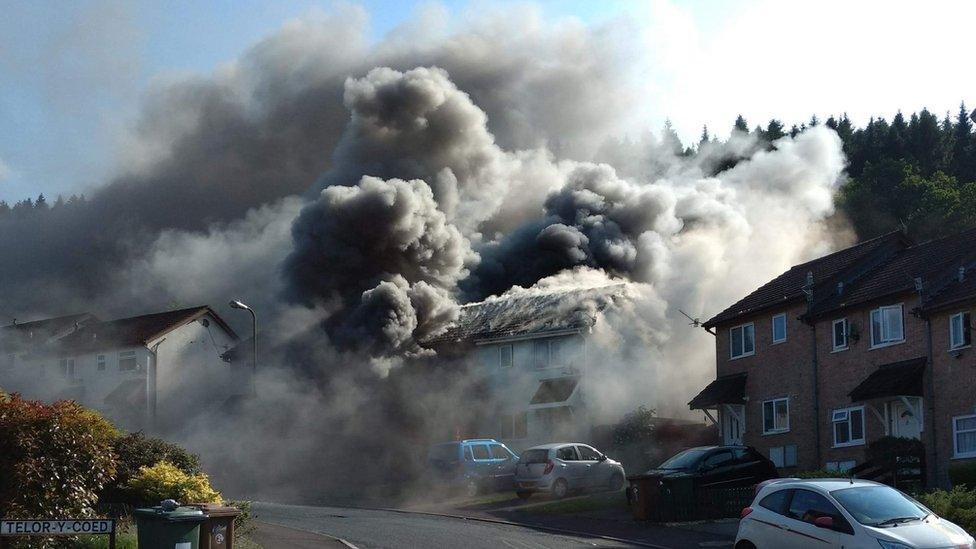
x: 733, y: 426
x: 904, y: 422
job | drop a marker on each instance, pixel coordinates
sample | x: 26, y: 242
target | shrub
x: 136, y: 450
x: 53, y: 458
x: 243, y: 523
x: 963, y: 472
x: 957, y: 505
x: 164, y: 480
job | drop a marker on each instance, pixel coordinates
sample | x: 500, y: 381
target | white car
x: 849, y: 513
x: 564, y: 467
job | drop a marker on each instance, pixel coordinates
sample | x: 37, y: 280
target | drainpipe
x: 930, y: 378
x: 808, y: 292
x: 155, y: 380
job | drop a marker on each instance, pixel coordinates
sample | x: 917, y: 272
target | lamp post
x: 254, y: 342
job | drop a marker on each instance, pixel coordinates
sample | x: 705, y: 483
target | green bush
x: 54, y: 458
x: 136, y: 450
x: 963, y: 472
x: 164, y: 480
x: 243, y: 523
x: 957, y: 505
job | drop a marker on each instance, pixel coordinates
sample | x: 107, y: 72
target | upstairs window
x: 505, y: 356
x: 776, y: 416
x: 127, y: 361
x: 960, y: 331
x: 742, y: 340
x: 848, y: 426
x: 887, y: 326
x: 840, y: 334
x: 779, y: 328
x: 68, y: 368
x: 100, y: 361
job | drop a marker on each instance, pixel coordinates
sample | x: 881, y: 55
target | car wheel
x: 745, y: 544
x: 472, y: 488
x: 523, y: 494
x: 560, y: 489
x: 616, y: 482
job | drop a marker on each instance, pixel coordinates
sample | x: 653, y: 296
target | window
x: 964, y: 436
x: 540, y: 353
x: 587, y: 453
x: 776, y: 502
x: 886, y: 326
x: 840, y: 466
x: 808, y: 506
x: 68, y: 368
x: 100, y: 361
x: 742, y: 340
x: 480, y: 451
x: 127, y: 361
x: 514, y: 426
x: 718, y: 459
x: 776, y: 416
x: 960, y: 331
x: 783, y: 456
x: 848, y: 426
x: 779, y: 328
x: 505, y: 356
x: 840, y: 334
x: 556, y: 352
x: 499, y: 452
x: 566, y: 453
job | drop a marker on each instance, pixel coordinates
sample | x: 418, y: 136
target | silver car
x: 563, y: 467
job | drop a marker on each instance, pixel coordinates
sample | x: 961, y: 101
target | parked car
x: 475, y: 464
x: 564, y: 467
x: 851, y: 513
x: 718, y: 466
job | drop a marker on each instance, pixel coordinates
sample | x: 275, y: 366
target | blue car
x: 476, y: 465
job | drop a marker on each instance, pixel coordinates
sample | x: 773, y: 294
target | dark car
x: 475, y: 465
x: 718, y: 466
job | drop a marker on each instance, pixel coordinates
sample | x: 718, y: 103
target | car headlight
x: 893, y: 545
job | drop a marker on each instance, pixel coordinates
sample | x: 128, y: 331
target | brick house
x: 869, y: 341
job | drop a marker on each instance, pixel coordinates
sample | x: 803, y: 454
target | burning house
x: 537, y: 352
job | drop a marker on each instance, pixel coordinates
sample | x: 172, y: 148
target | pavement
x: 273, y: 536
x: 496, y: 521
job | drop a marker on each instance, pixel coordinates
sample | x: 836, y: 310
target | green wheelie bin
x: 169, y: 527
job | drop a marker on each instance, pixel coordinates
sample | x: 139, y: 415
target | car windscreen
x: 535, y: 456
x: 445, y: 453
x: 878, y: 505
x: 685, y: 460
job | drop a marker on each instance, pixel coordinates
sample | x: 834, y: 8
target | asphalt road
x: 368, y: 529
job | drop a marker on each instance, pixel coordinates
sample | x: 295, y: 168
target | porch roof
x: 727, y: 389
x: 555, y: 390
x: 903, y: 378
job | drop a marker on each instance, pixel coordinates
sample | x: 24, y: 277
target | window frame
x: 101, y: 363
x: 776, y: 430
x: 773, y: 329
x: 851, y: 441
x: 956, y: 454
x: 732, y: 355
x: 961, y: 315
x: 511, y: 356
x: 833, y: 335
x: 125, y: 355
x: 881, y: 311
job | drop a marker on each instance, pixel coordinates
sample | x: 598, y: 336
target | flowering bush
x: 54, y: 458
x: 166, y: 481
x: 135, y: 450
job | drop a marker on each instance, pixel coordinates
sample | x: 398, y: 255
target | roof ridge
x: 855, y: 246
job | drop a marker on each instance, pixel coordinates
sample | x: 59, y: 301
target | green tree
x: 741, y: 125
x: 961, y: 163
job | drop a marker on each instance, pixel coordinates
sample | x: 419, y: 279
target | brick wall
x: 955, y: 374
x: 776, y: 371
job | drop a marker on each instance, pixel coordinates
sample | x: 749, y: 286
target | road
x: 369, y: 529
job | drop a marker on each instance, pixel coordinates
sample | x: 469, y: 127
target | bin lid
x: 217, y: 510
x: 179, y: 514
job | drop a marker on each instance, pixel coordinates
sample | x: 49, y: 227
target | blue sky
x: 73, y: 74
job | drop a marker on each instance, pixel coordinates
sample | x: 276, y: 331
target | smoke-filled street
x: 541, y: 273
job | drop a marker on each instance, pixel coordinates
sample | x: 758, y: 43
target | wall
x: 954, y: 375
x: 775, y: 371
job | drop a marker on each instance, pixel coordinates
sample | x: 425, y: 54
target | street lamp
x: 254, y: 341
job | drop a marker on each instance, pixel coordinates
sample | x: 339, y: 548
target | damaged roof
x: 23, y: 335
x: 136, y: 330
x: 529, y: 313
x: 826, y: 270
